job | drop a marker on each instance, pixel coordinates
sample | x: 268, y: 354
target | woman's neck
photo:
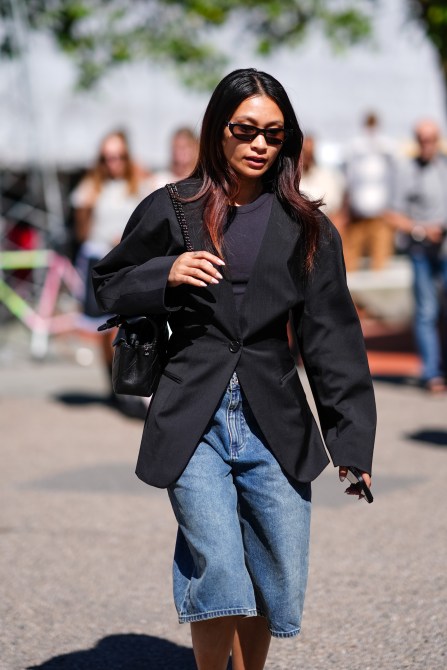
x: 248, y: 192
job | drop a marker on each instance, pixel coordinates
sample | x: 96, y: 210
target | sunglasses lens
x: 274, y: 136
x: 246, y: 133
x: 243, y: 132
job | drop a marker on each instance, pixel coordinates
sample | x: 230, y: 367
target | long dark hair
x: 220, y: 182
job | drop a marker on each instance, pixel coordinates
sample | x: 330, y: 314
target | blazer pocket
x: 289, y: 375
x: 172, y: 376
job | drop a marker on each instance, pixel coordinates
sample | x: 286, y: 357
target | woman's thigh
x: 275, y: 519
x: 204, y: 498
x: 210, y: 575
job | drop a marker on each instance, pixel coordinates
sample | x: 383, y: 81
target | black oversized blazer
x: 210, y: 340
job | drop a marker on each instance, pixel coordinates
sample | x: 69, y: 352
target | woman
x: 184, y: 151
x: 102, y: 202
x: 229, y: 430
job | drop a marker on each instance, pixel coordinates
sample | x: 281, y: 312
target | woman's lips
x: 255, y: 161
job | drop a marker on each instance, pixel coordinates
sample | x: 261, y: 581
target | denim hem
x: 292, y: 633
x: 235, y: 611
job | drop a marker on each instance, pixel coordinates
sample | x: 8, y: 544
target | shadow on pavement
x: 82, y: 398
x: 397, y: 380
x: 124, y: 652
x: 130, y: 406
x: 437, y: 438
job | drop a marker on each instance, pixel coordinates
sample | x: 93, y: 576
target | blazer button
x: 234, y: 346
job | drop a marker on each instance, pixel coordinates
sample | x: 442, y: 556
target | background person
x: 183, y: 158
x: 102, y: 202
x: 369, y: 170
x: 322, y: 183
x: 229, y: 430
x: 420, y: 212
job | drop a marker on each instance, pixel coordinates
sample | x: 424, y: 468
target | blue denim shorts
x: 243, y: 539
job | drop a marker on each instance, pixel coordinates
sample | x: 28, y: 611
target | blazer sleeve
x: 333, y: 351
x: 132, y: 278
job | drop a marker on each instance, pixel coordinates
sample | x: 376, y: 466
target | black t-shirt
x: 243, y: 237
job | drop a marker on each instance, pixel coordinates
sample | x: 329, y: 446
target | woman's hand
x: 351, y: 490
x: 195, y: 268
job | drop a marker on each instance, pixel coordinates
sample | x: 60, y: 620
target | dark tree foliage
x: 101, y: 34
x: 432, y: 15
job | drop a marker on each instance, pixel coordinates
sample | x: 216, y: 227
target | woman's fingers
x: 353, y: 489
x: 367, y: 479
x: 199, y: 268
x: 207, y: 256
x: 342, y: 472
x: 196, y: 268
x: 192, y: 275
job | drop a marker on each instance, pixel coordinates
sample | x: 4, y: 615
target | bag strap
x: 180, y: 214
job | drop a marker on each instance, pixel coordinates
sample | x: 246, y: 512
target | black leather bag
x: 139, y: 353
x: 140, y: 345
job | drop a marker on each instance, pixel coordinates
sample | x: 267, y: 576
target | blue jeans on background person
x: 243, y: 539
x: 428, y: 272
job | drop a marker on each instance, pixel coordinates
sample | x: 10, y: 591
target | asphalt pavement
x: 86, y: 548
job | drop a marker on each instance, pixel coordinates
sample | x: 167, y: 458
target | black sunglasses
x: 246, y: 133
x: 112, y: 158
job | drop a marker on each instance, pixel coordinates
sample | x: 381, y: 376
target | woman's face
x: 251, y: 159
x: 114, y: 156
x: 184, y: 154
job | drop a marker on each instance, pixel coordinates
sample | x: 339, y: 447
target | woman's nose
x: 259, y: 142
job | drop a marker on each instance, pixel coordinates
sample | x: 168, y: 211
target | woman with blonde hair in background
x: 103, y: 200
x: 184, y: 152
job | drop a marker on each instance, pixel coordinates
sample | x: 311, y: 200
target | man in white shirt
x: 369, y: 168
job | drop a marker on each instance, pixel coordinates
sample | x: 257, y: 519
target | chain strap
x: 180, y: 214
